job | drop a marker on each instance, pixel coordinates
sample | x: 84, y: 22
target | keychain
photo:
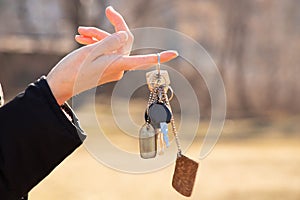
x: 154, y: 133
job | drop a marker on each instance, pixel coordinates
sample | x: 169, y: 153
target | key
x: 148, y: 143
x: 164, y: 130
x: 147, y: 119
x: 160, y: 142
x: 158, y: 112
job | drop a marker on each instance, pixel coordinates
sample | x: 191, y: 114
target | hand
x: 91, y: 35
x: 103, y: 60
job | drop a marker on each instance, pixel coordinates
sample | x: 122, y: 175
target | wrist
x: 58, y: 91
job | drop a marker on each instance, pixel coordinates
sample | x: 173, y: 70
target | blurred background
x: 255, y: 45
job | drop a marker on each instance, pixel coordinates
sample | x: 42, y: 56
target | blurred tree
x: 258, y: 41
x: 80, y: 12
x: 73, y: 11
x: 236, y: 15
x: 26, y: 22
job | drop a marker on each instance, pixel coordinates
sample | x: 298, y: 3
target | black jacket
x: 35, y: 137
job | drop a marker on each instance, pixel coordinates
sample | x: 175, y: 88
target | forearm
x: 35, y: 137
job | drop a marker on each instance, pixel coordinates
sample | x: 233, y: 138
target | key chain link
x: 174, y: 130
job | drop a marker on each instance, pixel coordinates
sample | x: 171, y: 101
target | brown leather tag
x: 184, y: 175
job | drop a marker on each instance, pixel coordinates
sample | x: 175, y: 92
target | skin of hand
x: 104, y: 59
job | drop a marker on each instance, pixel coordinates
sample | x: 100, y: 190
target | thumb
x: 109, y: 44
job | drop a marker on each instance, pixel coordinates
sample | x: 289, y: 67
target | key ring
x: 172, y: 93
x: 158, y: 64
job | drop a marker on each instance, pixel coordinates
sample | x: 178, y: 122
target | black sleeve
x: 35, y: 136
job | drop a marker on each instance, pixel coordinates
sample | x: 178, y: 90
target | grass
x: 251, y: 161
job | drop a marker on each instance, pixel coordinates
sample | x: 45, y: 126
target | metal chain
x: 174, y: 130
x: 152, y: 98
x: 148, y: 104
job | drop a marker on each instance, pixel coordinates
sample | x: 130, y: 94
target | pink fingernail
x: 172, y: 51
x: 110, y: 7
x: 81, y: 27
x: 176, y: 52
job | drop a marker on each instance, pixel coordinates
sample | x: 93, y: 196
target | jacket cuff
x: 57, y: 109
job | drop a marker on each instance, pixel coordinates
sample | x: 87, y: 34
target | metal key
x: 159, y: 112
x: 160, y: 115
x: 165, y: 131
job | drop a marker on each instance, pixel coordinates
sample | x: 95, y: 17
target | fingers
x: 144, y: 61
x: 116, y: 19
x: 109, y: 44
x: 92, y: 32
x: 120, y: 25
x: 90, y: 35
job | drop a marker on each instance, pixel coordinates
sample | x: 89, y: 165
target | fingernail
x: 176, y: 52
x: 123, y: 36
x: 172, y: 51
x: 81, y: 27
x: 110, y: 7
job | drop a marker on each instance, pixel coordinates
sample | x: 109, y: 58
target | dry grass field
x: 263, y: 166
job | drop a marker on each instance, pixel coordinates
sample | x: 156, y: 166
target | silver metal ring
x: 158, y: 64
x: 172, y: 93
